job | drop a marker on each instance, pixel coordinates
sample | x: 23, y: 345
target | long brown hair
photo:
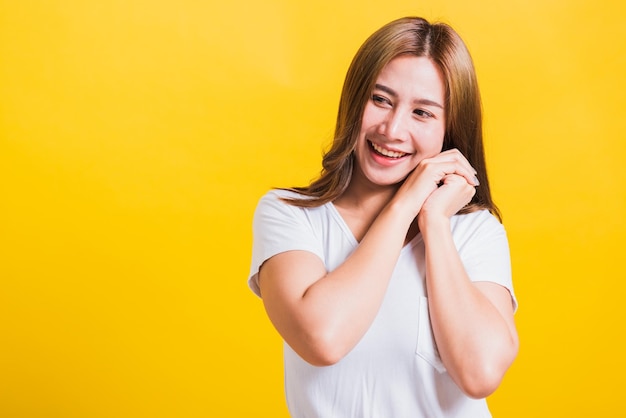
x: 463, y: 113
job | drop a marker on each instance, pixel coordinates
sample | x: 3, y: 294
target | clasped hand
x: 439, y: 186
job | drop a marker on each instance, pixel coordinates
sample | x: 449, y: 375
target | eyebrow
x: 392, y: 93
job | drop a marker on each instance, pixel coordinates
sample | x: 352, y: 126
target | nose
x: 395, y: 126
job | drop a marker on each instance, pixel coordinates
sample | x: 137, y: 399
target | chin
x: 387, y: 182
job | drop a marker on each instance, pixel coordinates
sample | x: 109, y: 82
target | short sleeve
x: 279, y: 227
x: 484, y: 249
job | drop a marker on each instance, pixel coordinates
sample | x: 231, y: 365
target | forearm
x: 325, y: 318
x: 475, y: 342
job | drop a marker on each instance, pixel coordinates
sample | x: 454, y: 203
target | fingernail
x: 476, y: 182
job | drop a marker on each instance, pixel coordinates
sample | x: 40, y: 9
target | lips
x: 385, y: 152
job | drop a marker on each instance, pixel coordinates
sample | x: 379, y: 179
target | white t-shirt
x: 395, y: 370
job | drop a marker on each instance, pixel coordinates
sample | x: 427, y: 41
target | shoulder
x: 275, y: 199
x: 281, y: 196
x: 477, y: 226
x: 480, y: 219
x: 273, y: 207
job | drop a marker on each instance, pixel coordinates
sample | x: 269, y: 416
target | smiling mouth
x: 385, y: 152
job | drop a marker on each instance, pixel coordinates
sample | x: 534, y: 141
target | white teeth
x: 387, y: 153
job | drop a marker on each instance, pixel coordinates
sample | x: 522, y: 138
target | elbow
x: 322, y: 350
x: 480, y: 385
x: 322, y: 359
x: 482, y: 379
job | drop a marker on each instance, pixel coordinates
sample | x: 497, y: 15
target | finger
x: 454, y: 155
x: 439, y: 169
x: 464, y: 190
x: 458, y: 156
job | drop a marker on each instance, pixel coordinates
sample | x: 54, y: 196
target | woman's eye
x: 379, y: 99
x: 422, y: 113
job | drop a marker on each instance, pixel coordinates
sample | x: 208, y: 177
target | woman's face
x: 403, y: 121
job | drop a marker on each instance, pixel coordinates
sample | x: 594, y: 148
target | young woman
x: 389, y: 276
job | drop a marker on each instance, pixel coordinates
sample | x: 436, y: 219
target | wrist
x: 403, y: 209
x: 431, y: 223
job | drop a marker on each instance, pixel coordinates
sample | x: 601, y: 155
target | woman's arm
x: 472, y: 321
x: 323, y: 315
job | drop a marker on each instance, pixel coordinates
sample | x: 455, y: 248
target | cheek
x: 372, y: 117
x: 433, y: 143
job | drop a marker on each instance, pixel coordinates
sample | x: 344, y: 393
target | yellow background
x: 136, y: 137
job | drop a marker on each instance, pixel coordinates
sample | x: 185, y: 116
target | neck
x: 359, y: 207
x: 366, y: 198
